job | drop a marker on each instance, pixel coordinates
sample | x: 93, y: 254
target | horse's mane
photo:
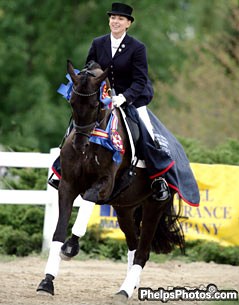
x: 91, y: 65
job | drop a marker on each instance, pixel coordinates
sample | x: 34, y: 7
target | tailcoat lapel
x: 107, y: 46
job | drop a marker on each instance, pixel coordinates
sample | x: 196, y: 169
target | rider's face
x: 118, y: 25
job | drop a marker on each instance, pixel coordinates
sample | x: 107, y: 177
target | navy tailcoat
x: 128, y: 69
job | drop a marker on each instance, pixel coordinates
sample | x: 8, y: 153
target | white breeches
x: 143, y: 114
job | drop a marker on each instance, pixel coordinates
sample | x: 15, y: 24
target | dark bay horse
x: 88, y: 170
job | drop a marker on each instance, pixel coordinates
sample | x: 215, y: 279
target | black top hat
x: 122, y: 10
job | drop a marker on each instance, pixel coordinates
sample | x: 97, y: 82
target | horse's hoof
x: 64, y: 257
x: 69, y: 250
x: 44, y: 294
x: 46, y: 287
x: 120, y: 298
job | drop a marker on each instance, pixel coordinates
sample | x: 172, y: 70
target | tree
x: 203, y: 101
x: 39, y: 36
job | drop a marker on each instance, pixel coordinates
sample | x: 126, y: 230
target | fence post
x: 51, y: 208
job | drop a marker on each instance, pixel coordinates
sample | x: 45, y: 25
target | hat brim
x: 121, y: 14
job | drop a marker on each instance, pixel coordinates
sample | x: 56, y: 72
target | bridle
x: 84, y: 94
x: 85, y: 130
x: 87, y: 72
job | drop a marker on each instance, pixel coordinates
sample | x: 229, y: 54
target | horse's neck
x: 104, y: 118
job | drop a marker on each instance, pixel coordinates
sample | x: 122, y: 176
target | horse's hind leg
x: 126, y: 221
x: 152, y: 212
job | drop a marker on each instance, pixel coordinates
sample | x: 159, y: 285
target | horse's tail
x: 169, y: 232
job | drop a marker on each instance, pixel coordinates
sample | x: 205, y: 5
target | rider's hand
x: 118, y: 100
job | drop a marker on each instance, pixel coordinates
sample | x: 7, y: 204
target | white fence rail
x: 48, y: 197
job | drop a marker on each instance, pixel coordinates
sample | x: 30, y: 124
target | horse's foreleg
x: 66, y: 198
x: 71, y: 246
x: 98, y: 191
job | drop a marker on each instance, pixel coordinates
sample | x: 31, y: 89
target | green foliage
x: 194, y: 70
x: 96, y: 246
x: 19, y: 243
x: 113, y: 249
x: 26, y: 178
x: 91, y: 241
x: 225, y: 153
x: 203, y: 101
x: 200, y: 250
x: 20, y: 229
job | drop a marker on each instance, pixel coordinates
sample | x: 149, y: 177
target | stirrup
x: 160, y: 188
x: 53, y: 182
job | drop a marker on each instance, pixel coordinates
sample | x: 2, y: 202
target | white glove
x: 118, y: 100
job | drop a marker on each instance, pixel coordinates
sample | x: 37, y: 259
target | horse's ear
x: 102, y: 77
x: 70, y: 70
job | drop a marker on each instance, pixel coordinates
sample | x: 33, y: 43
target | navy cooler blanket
x: 179, y: 176
x: 169, y: 161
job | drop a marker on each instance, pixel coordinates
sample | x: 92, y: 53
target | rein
x: 82, y: 129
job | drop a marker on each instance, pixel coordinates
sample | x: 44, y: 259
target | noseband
x: 84, y: 94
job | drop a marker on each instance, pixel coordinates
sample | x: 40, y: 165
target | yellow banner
x: 217, y: 217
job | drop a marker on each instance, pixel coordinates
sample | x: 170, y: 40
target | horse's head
x: 85, y: 101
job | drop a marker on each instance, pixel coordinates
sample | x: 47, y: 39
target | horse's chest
x: 90, y: 164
